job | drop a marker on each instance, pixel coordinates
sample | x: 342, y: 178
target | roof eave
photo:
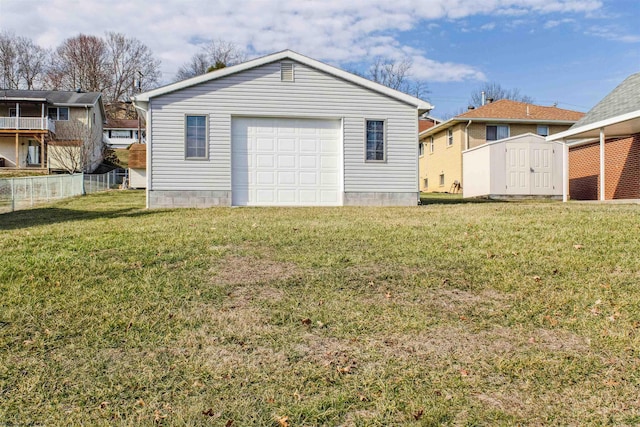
x: 575, y: 133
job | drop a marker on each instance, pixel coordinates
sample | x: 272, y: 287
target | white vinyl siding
x: 259, y: 92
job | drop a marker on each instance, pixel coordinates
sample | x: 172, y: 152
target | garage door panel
x: 286, y: 178
x: 308, y: 178
x: 285, y: 161
x: 265, y: 161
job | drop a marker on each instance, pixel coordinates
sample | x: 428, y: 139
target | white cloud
x: 557, y: 22
x: 614, y: 34
x: 331, y: 30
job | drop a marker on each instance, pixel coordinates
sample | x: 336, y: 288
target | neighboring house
x: 520, y: 166
x: 283, y: 129
x: 603, y: 159
x: 443, y: 144
x: 55, y: 130
x: 121, y: 133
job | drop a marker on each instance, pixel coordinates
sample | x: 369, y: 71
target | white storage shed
x: 521, y: 166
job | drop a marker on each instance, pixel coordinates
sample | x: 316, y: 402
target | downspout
x: 147, y: 112
x: 466, y: 134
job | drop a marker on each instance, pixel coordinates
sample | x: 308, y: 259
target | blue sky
x: 568, y: 51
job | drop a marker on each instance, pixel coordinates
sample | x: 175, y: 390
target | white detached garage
x: 524, y: 165
x: 281, y: 130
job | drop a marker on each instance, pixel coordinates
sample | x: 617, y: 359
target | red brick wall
x: 622, y: 169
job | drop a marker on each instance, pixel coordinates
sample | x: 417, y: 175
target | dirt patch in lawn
x: 239, y: 270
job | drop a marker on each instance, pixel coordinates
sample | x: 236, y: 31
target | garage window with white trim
x: 195, y: 137
x: 375, y: 140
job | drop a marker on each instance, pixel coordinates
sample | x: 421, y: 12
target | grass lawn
x: 463, y: 314
x: 123, y: 156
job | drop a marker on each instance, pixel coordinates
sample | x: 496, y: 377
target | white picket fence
x: 27, y: 192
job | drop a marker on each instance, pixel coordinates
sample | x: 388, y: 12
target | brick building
x: 604, y: 147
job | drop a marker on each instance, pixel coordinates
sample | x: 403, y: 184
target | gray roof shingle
x: 623, y: 99
x: 53, y: 96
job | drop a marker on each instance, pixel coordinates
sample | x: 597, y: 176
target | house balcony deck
x: 27, y: 124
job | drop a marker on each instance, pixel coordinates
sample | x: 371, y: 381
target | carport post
x: 602, y: 164
x: 565, y: 170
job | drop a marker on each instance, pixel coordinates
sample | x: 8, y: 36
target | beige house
x: 441, y: 147
x: 51, y: 130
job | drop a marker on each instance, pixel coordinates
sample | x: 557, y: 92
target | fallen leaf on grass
x: 283, y: 421
x: 229, y: 423
x: 363, y: 398
x: 103, y: 404
x: 532, y: 340
x: 577, y: 246
x: 159, y: 416
x: 418, y: 414
x: 610, y: 383
x: 464, y: 372
x: 209, y: 413
x: 140, y: 402
x: 387, y: 295
x: 537, y: 278
x: 306, y: 321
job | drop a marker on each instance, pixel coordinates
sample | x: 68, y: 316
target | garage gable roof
x: 278, y: 56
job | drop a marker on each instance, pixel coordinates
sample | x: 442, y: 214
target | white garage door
x: 285, y: 162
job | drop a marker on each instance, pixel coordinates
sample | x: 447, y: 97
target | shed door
x: 518, y: 169
x: 285, y: 162
x: 541, y: 170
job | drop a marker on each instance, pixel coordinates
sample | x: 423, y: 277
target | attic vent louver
x: 286, y: 71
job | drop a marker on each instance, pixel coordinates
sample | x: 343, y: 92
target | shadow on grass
x: 450, y: 199
x: 52, y: 215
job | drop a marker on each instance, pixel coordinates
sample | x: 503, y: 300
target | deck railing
x: 27, y: 123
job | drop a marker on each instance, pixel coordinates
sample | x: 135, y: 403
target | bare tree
x: 81, y: 62
x: 32, y: 63
x: 129, y: 61
x: 10, y: 77
x: 22, y: 62
x: 77, y: 147
x: 495, y: 92
x: 215, y: 55
x: 396, y: 75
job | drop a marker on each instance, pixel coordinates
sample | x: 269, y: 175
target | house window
x: 431, y: 145
x: 421, y: 149
x: 13, y: 112
x: 120, y: 134
x: 441, y: 180
x: 375, y: 140
x: 58, y: 113
x: 196, y: 137
x: 543, y: 130
x: 496, y: 132
x: 449, y: 137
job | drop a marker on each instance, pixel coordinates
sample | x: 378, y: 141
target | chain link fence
x: 27, y: 192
